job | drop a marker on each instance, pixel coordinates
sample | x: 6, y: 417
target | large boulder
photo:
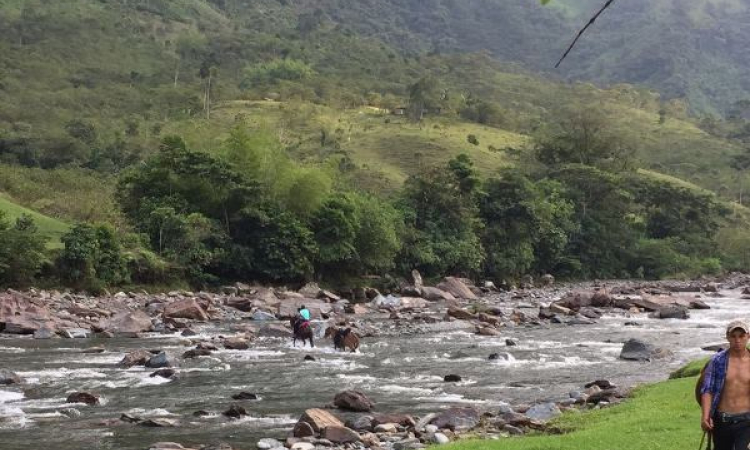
x: 435, y: 294
x: 319, y: 419
x: 289, y: 307
x: 457, y: 288
x: 158, y: 361
x: 340, y: 434
x: 543, y: 411
x: 457, y: 419
x: 242, y: 303
x: 136, y: 358
x: 638, y: 350
x: 129, y: 324
x: 353, y: 401
x: 83, y: 397
x: 671, y: 312
x: 185, y: 309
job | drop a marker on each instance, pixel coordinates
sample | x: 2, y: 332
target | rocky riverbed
x: 129, y: 370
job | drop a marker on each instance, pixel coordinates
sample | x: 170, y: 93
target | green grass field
x: 52, y: 228
x: 662, y: 416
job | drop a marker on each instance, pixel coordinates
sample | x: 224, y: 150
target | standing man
x: 725, y: 393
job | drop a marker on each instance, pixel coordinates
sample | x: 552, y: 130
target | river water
x: 400, y: 373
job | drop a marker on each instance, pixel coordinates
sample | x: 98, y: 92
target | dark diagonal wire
x: 580, y: 33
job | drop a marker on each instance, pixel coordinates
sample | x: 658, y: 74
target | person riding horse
x: 301, y: 326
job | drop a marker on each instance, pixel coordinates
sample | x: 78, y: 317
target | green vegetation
x: 48, y: 227
x: 659, y: 416
x: 218, y: 140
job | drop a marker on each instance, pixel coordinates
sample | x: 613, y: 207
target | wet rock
x: 201, y: 413
x: 698, y: 304
x: 440, y: 439
x: 339, y: 434
x: 164, y: 373
x: 435, y: 294
x: 457, y: 288
x: 424, y: 421
x: 638, y: 350
x: 308, y: 358
x: 235, y: 412
x: 76, y: 333
x: 602, y: 384
x: 351, y: 400
x: 452, y: 378
x: 404, y: 420
x: 45, y: 333
x: 543, y: 412
x: 241, y: 303
x: 83, y: 397
x: 408, y: 444
x: 302, y: 430
x: 185, y: 309
x: 263, y: 315
x: 457, y: 419
x: 196, y: 352
x: 167, y: 446
x: 158, y: 361
x: 515, y: 431
x: 125, y: 417
x: 302, y: 446
x: 7, y: 378
x: 275, y: 330
x: 236, y: 343
x: 487, y: 331
x: 671, y: 312
x: 158, y: 423
x: 459, y: 313
x: 511, y: 342
x: 70, y: 412
x: 362, y: 423
x: 136, y: 358
x: 188, y: 332
x: 268, y: 443
x: 386, y: 428
x: 93, y: 350
x: 320, y: 419
x: 245, y: 396
x: 129, y: 324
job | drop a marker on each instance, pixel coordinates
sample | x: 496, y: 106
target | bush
x: 92, y: 258
x: 21, y: 251
x: 472, y: 139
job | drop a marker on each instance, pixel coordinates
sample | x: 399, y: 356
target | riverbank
x: 663, y: 415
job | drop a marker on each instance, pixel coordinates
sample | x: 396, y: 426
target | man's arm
x: 707, y: 422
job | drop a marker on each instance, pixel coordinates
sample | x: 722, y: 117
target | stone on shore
x: 457, y: 288
x: 319, y: 419
x: 352, y: 400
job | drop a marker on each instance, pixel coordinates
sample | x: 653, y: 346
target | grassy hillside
x: 49, y: 227
x: 80, y: 103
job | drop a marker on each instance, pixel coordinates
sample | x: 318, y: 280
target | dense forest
x: 152, y: 142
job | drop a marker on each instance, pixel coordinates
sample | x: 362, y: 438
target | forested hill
x: 281, y: 140
x: 696, y: 49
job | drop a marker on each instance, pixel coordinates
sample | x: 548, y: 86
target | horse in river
x: 302, y: 330
x: 343, y: 338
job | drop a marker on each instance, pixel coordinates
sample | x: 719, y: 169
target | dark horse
x: 302, y: 330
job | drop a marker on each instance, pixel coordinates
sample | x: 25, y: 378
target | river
x: 400, y: 372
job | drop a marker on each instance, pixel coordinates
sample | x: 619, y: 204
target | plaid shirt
x: 714, y: 376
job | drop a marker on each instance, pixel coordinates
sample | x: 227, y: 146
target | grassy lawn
x: 659, y: 416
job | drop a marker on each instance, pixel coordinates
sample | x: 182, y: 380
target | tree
x: 426, y: 95
x: 442, y: 225
x: 583, y: 136
x: 22, y: 251
x: 526, y: 225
